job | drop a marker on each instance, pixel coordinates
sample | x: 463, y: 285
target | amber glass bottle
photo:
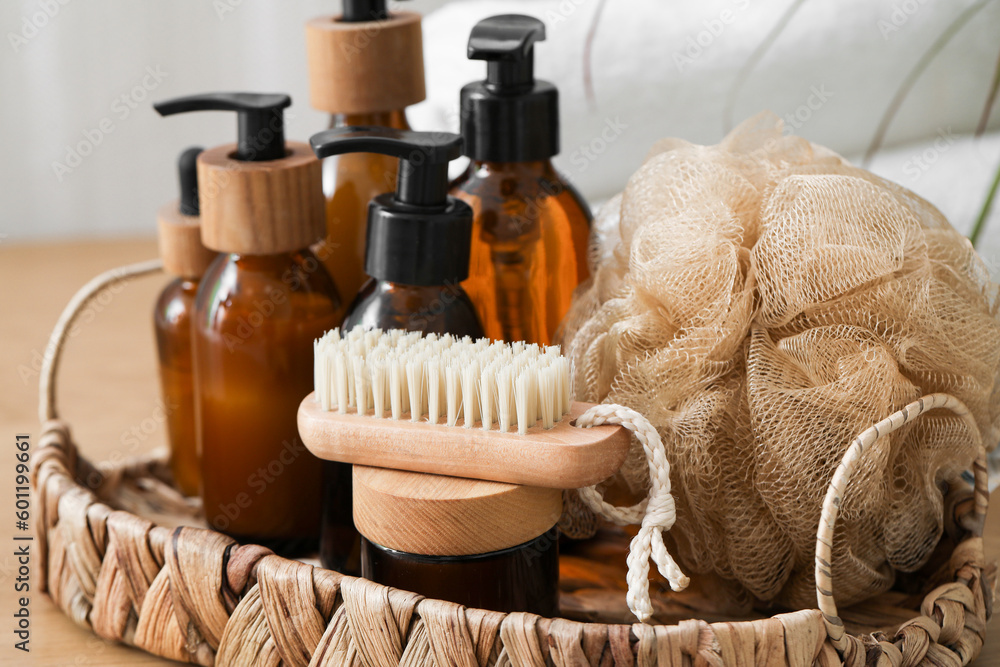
x: 520, y: 578
x: 352, y: 180
x: 259, y: 307
x: 480, y: 544
x: 531, y: 229
x: 417, y: 253
x: 183, y: 256
x: 529, y: 247
x: 172, y: 323
x: 253, y: 348
x: 365, y: 67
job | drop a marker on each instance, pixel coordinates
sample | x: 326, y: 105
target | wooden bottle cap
x: 180, y: 242
x: 261, y: 208
x: 365, y: 67
x: 434, y: 515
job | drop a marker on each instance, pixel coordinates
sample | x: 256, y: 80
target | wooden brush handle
x: 563, y: 457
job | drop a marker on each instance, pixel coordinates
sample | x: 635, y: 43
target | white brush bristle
x: 404, y: 375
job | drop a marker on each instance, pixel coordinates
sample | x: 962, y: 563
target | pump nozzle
x: 507, y: 44
x: 179, y: 227
x: 358, y: 11
x: 509, y: 116
x: 417, y: 235
x: 261, y: 123
x: 187, y: 170
x: 423, y: 157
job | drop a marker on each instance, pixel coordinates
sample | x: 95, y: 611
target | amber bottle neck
x: 429, y: 308
x: 262, y: 263
x: 394, y: 119
x: 189, y: 284
x: 534, y: 170
x: 428, y: 291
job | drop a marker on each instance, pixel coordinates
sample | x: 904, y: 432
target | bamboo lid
x: 180, y: 242
x: 261, y: 208
x: 365, y: 67
x: 434, y: 515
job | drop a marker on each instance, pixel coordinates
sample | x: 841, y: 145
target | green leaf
x: 990, y: 98
x: 984, y: 212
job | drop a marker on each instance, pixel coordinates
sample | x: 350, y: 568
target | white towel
x: 664, y: 69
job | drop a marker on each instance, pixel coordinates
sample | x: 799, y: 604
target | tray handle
x: 835, y: 494
x: 61, y: 333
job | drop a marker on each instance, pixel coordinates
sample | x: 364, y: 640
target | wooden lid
x: 180, y: 242
x: 449, y: 516
x: 365, y: 67
x: 261, y: 208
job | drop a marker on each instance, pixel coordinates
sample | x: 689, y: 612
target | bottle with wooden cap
x: 187, y: 259
x: 531, y: 229
x: 417, y: 254
x: 486, y: 545
x: 260, y: 305
x: 418, y: 237
x: 365, y: 67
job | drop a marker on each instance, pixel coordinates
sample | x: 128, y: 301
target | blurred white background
x: 85, y: 155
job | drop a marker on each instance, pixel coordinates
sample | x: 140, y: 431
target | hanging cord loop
x: 656, y: 513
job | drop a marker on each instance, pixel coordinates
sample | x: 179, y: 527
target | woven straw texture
x: 194, y: 595
x: 762, y: 302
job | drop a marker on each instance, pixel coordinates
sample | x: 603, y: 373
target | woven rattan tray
x: 122, y: 555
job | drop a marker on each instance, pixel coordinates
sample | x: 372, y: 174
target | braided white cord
x: 656, y: 512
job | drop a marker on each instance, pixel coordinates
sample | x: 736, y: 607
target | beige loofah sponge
x: 762, y: 302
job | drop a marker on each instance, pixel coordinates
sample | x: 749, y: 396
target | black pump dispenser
x: 261, y: 123
x: 187, y: 169
x: 417, y: 235
x: 509, y: 116
x: 359, y: 11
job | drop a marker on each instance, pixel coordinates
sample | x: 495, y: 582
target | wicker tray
x: 122, y: 556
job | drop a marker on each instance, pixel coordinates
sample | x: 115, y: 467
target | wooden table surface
x: 107, y: 388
